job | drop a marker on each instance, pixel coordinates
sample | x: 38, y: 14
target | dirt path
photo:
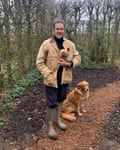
x: 24, y: 126
x: 83, y: 134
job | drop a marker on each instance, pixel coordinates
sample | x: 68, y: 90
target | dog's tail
x: 68, y: 117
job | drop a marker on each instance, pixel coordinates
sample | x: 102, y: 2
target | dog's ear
x: 80, y: 86
x: 68, y: 49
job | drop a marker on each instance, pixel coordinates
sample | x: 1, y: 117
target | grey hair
x: 57, y: 21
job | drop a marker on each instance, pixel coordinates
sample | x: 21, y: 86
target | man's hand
x: 64, y: 63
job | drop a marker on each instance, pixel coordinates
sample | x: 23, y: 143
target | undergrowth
x: 18, y: 88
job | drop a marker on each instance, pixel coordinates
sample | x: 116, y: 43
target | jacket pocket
x: 67, y: 75
x: 52, y: 64
x: 51, y: 79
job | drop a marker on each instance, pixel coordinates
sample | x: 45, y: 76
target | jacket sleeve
x: 76, y: 57
x: 41, y: 60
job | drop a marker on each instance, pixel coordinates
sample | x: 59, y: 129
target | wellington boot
x: 50, y: 129
x: 60, y: 124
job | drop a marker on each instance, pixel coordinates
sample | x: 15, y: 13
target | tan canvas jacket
x: 47, y: 61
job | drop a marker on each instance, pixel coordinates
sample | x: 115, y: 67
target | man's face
x: 59, y: 30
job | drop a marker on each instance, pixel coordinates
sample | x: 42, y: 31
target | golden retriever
x: 74, y: 100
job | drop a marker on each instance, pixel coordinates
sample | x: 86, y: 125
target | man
x: 57, y: 74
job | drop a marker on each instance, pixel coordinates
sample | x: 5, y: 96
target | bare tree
x: 6, y: 34
x: 116, y: 27
x: 90, y: 12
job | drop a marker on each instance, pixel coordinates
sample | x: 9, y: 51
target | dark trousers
x: 54, y: 96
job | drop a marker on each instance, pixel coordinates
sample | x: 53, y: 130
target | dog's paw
x: 73, y: 114
x: 79, y: 114
x: 83, y: 110
x: 73, y: 118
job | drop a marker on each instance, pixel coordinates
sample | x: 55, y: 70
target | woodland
x: 93, y: 25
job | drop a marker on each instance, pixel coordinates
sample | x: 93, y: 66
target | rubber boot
x: 60, y: 124
x: 50, y: 129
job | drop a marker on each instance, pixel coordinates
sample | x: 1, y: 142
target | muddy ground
x: 98, y: 129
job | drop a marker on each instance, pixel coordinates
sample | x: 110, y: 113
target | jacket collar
x: 52, y: 41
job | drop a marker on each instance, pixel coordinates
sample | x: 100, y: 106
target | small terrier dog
x: 66, y: 54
